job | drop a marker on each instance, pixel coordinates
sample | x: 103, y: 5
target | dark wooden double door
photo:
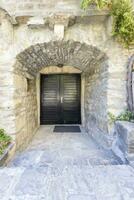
x: 60, y: 99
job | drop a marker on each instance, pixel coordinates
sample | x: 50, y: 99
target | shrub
x: 4, y: 140
x: 125, y: 116
x: 100, y: 3
x: 123, y: 26
x: 123, y: 18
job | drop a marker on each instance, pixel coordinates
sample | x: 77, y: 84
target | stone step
x: 39, y: 158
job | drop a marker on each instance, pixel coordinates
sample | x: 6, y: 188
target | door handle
x: 61, y: 99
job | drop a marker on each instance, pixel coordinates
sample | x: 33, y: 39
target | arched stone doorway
x: 75, y: 57
x: 67, y: 53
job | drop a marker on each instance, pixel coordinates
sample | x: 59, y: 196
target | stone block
x: 125, y: 138
x: 36, y: 22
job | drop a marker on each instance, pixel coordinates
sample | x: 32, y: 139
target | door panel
x: 60, y: 99
x: 49, y: 99
x: 71, y: 98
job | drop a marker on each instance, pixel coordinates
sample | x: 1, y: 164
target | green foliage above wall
x: 123, y: 17
x: 100, y: 3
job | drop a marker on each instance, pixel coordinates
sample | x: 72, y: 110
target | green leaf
x: 123, y: 18
x: 4, y: 140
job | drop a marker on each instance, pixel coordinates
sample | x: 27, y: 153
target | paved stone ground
x: 65, y: 166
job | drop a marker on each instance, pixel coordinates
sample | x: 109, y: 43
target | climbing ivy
x: 123, y: 18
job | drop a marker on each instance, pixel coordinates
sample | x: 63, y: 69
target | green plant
x: 123, y: 18
x: 4, y: 140
x: 125, y: 116
x: 100, y: 3
x: 112, y: 117
x: 123, y: 26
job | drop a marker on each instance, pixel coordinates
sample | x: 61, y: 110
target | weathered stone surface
x: 87, y: 45
x: 26, y: 110
x: 57, y: 70
x: 71, y: 148
x: 96, y: 97
x: 45, y: 8
x: 125, y: 138
x: 68, y: 53
x: 67, y: 166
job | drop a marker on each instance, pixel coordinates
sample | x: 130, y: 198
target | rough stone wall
x: 30, y: 7
x: 68, y: 53
x: 98, y: 35
x: 40, y: 6
x: 7, y: 107
x: 26, y: 110
x: 6, y: 33
x: 96, y: 100
x: 92, y: 32
x: 95, y: 34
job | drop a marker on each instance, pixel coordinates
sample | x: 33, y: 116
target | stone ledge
x: 8, y: 154
x: 24, y: 17
x: 124, y: 139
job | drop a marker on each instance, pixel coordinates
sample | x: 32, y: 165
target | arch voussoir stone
x: 69, y: 53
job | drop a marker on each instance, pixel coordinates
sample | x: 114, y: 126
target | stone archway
x: 67, y: 53
x: 93, y: 65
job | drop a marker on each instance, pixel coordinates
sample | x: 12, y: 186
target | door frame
x: 82, y: 98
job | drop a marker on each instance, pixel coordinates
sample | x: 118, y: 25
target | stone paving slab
x: 65, y: 148
x: 98, y: 182
x: 8, y: 179
x: 66, y: 167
